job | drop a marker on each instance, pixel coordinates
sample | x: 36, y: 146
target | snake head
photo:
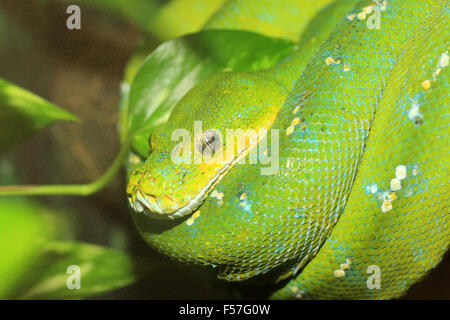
x: 192, y: 152
x: 169, y: 190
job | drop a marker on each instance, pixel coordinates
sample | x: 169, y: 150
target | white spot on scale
x: 330, y: 60
x: 415, y: 170
x: 192, y: 218
x: 289, y: 130
x: 396, y: 184
x: 400, y: 172
x: 444, y: 60
x: 426, y: 84
x: 339, y: 273
x: 361, y: 16
x: 344, y: 266
x: 386, y: 206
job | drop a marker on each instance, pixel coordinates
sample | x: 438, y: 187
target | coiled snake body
x: 361, y: 183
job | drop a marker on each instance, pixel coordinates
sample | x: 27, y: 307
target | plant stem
x: 71, y: 189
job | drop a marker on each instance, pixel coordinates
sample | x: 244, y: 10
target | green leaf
x: 178, y: 65
x: 19, y: 229
x: 22, y: 113
x: 23, y: 226
x: 101, y: 270
x: 146, y: 47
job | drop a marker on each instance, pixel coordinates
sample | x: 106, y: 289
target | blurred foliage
x: 23, y: 227
x: 180, y: 17
x: 279, y: 19
x: 101, y: 270
x: 23, y: 113
x: 34, y: 266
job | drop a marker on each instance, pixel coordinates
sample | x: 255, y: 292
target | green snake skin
x: 358, y: 207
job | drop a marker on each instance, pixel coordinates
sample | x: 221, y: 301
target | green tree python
x: 357, y: 115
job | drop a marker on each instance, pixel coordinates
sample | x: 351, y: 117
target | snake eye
x: 208, y: 142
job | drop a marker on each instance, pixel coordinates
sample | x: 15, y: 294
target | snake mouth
x: 157, y: 209
x: 164, y: 207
